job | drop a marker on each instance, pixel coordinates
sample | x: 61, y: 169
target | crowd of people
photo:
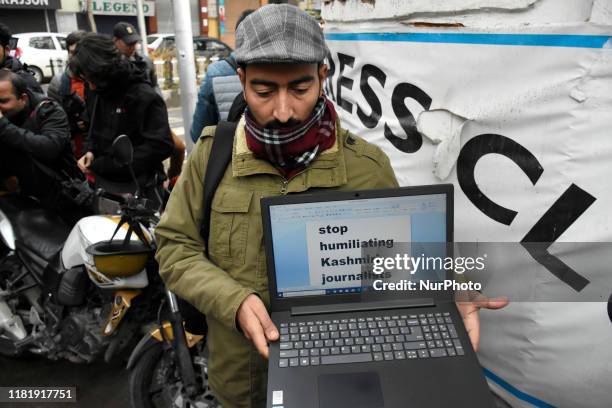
x: 107, y: 90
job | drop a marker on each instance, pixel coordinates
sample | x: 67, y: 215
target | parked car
x: 211, y: 48
x: 155, y: 41
x: 44, y: 53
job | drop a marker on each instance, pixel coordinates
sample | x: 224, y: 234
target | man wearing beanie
x: 289, y: 141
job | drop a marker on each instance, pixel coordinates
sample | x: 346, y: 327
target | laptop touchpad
x: 350, y: 390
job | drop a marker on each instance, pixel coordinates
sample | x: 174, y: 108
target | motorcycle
x: 169, y: 366
x: 73, y: 293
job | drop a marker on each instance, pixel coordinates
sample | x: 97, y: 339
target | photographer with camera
x: 34, y: 142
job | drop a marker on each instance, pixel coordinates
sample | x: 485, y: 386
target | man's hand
x: 255, y: 323
x: 469, y: 314
x: 85, y: 161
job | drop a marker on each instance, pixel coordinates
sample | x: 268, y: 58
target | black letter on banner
x: 482, y: 145
x: 414, y: 140
x: 563, y: 213
x: 343, y: 81
x: 329, y: 83
x: 368, y: 71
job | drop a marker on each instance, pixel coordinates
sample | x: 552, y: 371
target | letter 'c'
x: 480, y: 146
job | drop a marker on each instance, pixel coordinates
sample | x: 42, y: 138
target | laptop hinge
x: 362, y: 306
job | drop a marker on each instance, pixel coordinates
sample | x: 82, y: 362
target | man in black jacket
x: 124, y: 102
x: 126, y: 39
x: 34, y: 140
x: 8, y: 62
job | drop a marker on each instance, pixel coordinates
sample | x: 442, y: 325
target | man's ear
x: 323, y: 70
x: 24, y: 98
x: 242, y: 76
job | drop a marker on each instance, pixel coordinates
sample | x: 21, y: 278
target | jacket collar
x: 327, y: 170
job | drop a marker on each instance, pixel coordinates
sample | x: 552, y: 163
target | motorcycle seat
x: 37, y: 229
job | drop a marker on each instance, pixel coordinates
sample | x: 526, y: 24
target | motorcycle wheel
x: 155, y: 382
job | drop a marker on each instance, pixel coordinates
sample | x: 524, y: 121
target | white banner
x: 122, y: 8
x: 521, y: 123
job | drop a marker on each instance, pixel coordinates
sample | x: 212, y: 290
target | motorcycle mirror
x: 122, y: 150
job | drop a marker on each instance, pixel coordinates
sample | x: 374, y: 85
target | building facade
x: 65, y: 16
x: 29, y: 15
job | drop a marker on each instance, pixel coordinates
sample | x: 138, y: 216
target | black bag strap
x: 237, y: 109
x: 218, y: 160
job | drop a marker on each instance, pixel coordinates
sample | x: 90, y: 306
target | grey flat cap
x: 279, y: 33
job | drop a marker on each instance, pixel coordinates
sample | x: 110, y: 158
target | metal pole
x: 142, y: 27
x: 47, y: 21
x: 90, y: 16
x: 184, y: 49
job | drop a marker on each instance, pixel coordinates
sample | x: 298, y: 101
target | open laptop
x: 345, y: 344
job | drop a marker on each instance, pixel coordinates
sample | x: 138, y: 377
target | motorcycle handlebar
x: 129, y: 203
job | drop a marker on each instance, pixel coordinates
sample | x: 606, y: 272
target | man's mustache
x: 277, y: 125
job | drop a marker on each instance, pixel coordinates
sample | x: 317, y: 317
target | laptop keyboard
x: 366, y: 339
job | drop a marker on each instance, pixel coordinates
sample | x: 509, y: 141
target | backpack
x: 69, y: 168
x: 239, y: 103
x: 221, y: 150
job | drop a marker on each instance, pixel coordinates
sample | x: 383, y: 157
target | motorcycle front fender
x: 143, y: 345
x: 155, y: 337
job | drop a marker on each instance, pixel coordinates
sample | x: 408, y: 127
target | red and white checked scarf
x: 293, y: 149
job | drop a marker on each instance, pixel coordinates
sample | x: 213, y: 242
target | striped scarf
x: 293, y: 149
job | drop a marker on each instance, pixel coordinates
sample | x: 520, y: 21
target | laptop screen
x: 319, y: 247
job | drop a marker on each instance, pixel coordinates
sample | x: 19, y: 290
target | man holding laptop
x: 289, y: 141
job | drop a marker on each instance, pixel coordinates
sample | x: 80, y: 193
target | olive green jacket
x: 237, y: 264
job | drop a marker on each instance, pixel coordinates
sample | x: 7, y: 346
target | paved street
x: 98, y: 385
x: 176, y: 121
